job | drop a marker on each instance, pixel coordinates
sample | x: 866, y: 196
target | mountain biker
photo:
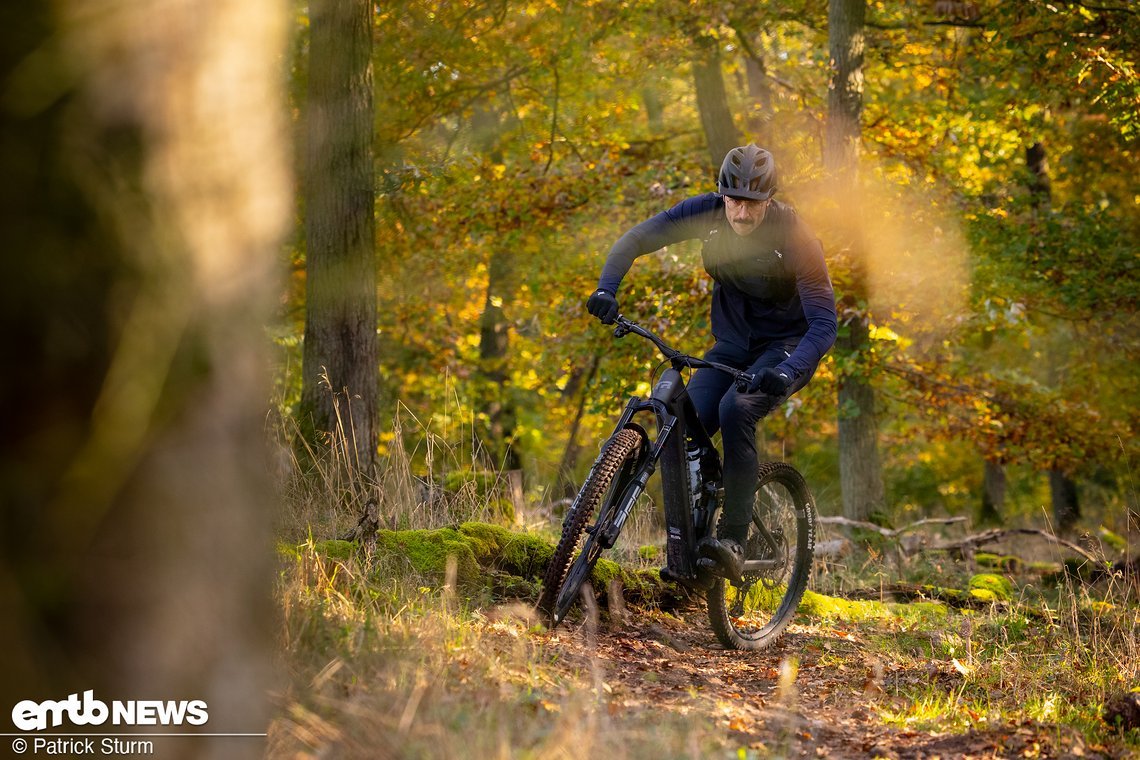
x: 773, y: 314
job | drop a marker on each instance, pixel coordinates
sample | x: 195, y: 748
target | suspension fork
x: 647, y: 461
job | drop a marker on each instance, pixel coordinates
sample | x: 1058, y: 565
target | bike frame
x: 676, y: 423
x: 678, y: 428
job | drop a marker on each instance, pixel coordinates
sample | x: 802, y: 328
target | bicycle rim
x: 754, y: 613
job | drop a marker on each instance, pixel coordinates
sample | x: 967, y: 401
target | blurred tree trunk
x: 494, y: 361
x: 340, y: 374
x: 144, y: 198
x: 1065, y: 500
x: 578, y: 385
x: 721, y: 134
x: 759, y: 115
x: 1063, y: 491
x: 860, y: 471
x: 992, y: 505
x: 654, y: 109
x: 497, y: 397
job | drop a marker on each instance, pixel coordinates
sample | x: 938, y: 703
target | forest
x: 983, y: 257
x: 305, y: 385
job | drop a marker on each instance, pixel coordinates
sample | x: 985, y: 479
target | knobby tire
x: 736, y: 628
x: 618, y: 450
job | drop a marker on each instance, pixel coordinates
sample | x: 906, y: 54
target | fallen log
x: 915, y: 592
x: 967, y: 544
x: 908, y: 545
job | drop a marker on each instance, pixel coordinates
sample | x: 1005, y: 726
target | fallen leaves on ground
x: 834, y: 710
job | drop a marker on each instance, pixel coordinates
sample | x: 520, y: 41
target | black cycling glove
x: 603, y: 305
x: 770, y: 381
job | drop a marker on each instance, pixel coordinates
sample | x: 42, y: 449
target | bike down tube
x: 671, y: 394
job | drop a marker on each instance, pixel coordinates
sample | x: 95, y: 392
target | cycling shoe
x: 722, y: 556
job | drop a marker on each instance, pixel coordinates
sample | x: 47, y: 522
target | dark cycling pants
x: 721, y: 407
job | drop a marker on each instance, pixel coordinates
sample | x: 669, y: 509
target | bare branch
x: 997, y: 534
x: 889, y: 532
x: 553, y: 119
x: 935, y: 22
x: 1109, y: 8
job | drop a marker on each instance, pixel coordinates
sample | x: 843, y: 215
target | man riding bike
x: 773, y: 314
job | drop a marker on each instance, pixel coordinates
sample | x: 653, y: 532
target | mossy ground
x: 491, y: 557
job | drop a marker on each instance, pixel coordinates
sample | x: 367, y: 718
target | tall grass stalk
x: 422, y: 479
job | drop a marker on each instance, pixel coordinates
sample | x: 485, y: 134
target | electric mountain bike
x: 750, y: 614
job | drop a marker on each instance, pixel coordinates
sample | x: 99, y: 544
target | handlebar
x: 678, y: 359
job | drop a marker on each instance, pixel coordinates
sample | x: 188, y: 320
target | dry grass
x: 438, y: 482
x: 380, y: 666
x: 379, y: 662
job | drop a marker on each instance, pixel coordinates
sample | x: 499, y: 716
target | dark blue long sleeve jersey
x: 770, y: 285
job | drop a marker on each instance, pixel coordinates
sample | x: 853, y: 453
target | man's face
x: 744, y: 215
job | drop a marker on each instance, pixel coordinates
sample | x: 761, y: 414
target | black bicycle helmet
x: 748, y: 172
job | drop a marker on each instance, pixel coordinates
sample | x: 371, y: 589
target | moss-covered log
x: 984, y: 589
x: 492, y: 557
x: 507, y: 564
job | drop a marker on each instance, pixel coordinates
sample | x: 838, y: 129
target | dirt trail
x: 830, y: 709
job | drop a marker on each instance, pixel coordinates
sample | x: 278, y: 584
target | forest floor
x: 383, y: 662
x: 821, y: 691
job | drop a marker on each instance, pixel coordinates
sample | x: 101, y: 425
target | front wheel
x: 604, y: 485
x: 753, y: 614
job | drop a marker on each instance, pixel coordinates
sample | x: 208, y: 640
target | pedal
x: 705, y: 579
x: 712, y: 570
x: 669, y: 576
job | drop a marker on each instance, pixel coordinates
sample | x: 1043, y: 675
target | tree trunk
x: 339, y: 376
x: 497, y: 401
x: 654, y: 109
x: 144, y: 198
x: 993, y: 494
x: 845, y: 92
x: 1040, y: 188
x: 1063, y: 491
x: 759, y: 114
x: 494, y: 362
x: 721, y: 133
x: 1066, y: 503
x: 860, y: 471
x: 579, y: 385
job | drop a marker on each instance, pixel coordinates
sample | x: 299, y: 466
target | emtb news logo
x: 88, y: 711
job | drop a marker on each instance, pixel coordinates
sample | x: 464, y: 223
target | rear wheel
x: 754, y: 613
x: 607, y: 479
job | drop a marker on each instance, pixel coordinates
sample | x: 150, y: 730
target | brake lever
x: 621, y: 328
x: 743, y: 381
